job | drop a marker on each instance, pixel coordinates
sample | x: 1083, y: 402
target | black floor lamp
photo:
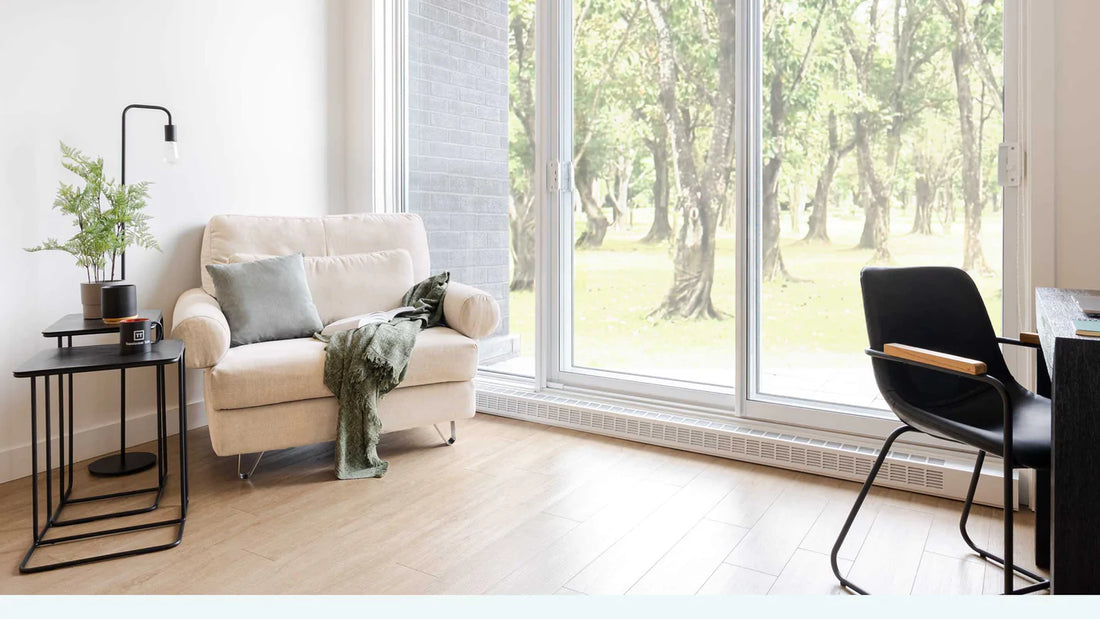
x: 124, y: 463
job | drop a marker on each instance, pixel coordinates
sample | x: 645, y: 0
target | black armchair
x: 939, y: 367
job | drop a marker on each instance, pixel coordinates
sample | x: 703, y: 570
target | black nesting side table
x: 122, y: 463
x: 64, y: 362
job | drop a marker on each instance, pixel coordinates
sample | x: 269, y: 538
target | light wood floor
x: 515, y: 507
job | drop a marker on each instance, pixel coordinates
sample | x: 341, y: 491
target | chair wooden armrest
x: 938, y: 359
x: 1027, y: 340
x: 1027, y: 337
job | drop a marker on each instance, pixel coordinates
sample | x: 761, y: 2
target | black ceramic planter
x: 118, y: 302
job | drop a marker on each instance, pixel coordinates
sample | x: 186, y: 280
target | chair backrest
x: 938, y: 308
x: 332, y: 235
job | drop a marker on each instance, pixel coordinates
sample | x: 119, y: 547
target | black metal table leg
x: 162, y: 462
x: 34, y: 460
x: 158, y: 489
x: 49, y: 458
x: 43, y: 527
x: 182, y: 398
x: 72, y: 429
x: 61, y: 440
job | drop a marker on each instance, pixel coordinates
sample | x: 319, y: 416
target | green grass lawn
x: 814, y: 319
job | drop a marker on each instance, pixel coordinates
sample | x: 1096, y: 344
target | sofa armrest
x: 198, y: 321
x: 469, y: 311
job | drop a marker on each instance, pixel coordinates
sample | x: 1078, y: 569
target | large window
x: 694, y: 185
x: 880, y: 123
x: 653, y: 270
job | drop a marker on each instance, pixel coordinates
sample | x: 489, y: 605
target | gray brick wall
x: 458, y: 138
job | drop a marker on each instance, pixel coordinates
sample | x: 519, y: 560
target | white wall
x: 1077, y: 143
x: 250, y: 87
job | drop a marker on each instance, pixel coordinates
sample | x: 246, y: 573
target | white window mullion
x: 553, y: 145
x: 747, y: 155
x: 376, y: 132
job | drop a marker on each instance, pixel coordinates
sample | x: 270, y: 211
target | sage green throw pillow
x: 265, y: 300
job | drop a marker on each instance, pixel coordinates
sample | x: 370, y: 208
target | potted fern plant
x: 109, y: 217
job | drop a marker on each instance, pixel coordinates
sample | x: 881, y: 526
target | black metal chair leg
x: 859, y: 503
x: 1040, y: 582
x: 1042, y: 519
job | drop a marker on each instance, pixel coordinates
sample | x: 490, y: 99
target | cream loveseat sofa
x: 271, y: 395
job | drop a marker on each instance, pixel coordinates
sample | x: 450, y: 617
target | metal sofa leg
x: 252, y: 470
x: 859, y: 503
x: 448, y: 441
x: 1040, y: 582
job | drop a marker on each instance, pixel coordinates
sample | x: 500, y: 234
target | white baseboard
x: 15, y: 462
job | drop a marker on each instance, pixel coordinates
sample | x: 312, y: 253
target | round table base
x: 123, y: 464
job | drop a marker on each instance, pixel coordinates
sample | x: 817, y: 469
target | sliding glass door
x: 651, y: 267
x: 696, y: 184
x: 879, y: 127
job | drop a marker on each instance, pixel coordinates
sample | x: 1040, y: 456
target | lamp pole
x: 134, y: 462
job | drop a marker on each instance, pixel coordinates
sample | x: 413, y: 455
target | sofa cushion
x: 290, y: 370
x: 470, y: 311
x: 344, y: 286
x: 305, y: 422
x: 330, y: 235
x: 265, y: 300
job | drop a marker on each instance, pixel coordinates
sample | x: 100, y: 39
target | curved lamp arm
x: 169, y: 136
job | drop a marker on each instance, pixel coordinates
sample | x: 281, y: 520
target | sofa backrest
x: 331, y: 235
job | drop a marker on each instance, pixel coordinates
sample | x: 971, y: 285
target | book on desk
x: 1090, y: 307
x: 1089, y: 327
x: 1089, y: 304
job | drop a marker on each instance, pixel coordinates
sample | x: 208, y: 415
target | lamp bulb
x: 171, y: 152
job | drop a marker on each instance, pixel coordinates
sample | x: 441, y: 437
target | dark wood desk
x: 1074, y: 365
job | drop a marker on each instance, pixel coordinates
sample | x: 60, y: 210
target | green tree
x: 702, y: 179
x: 890, y: 95
x: 790, y: 35
x: 602, y: 31
x: 521, y: 142
x: 967, y: 58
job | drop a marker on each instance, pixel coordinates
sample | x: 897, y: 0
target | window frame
x: 798, y: 411
x: 1027, y: 239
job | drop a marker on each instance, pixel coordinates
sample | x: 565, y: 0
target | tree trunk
x: 596, y: 228
x: 690, y: 295
x: 798, y: 201
x: 726, y: 211
x: 521, y: 221
x: 947, y: 216
x: 876, y: 223
x: 922, y: 217
x: 521, y: 202
x: 699, y: 193
x: 660, y: 230
x: 620, y: 198
x: 618, y: 217
x: 818, y: 231
x: 772, y: 264
x: 962, y: 63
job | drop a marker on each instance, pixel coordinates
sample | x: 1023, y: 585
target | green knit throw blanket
x: 363, y: 365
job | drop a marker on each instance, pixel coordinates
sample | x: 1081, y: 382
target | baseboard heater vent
x: 853, y: 462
